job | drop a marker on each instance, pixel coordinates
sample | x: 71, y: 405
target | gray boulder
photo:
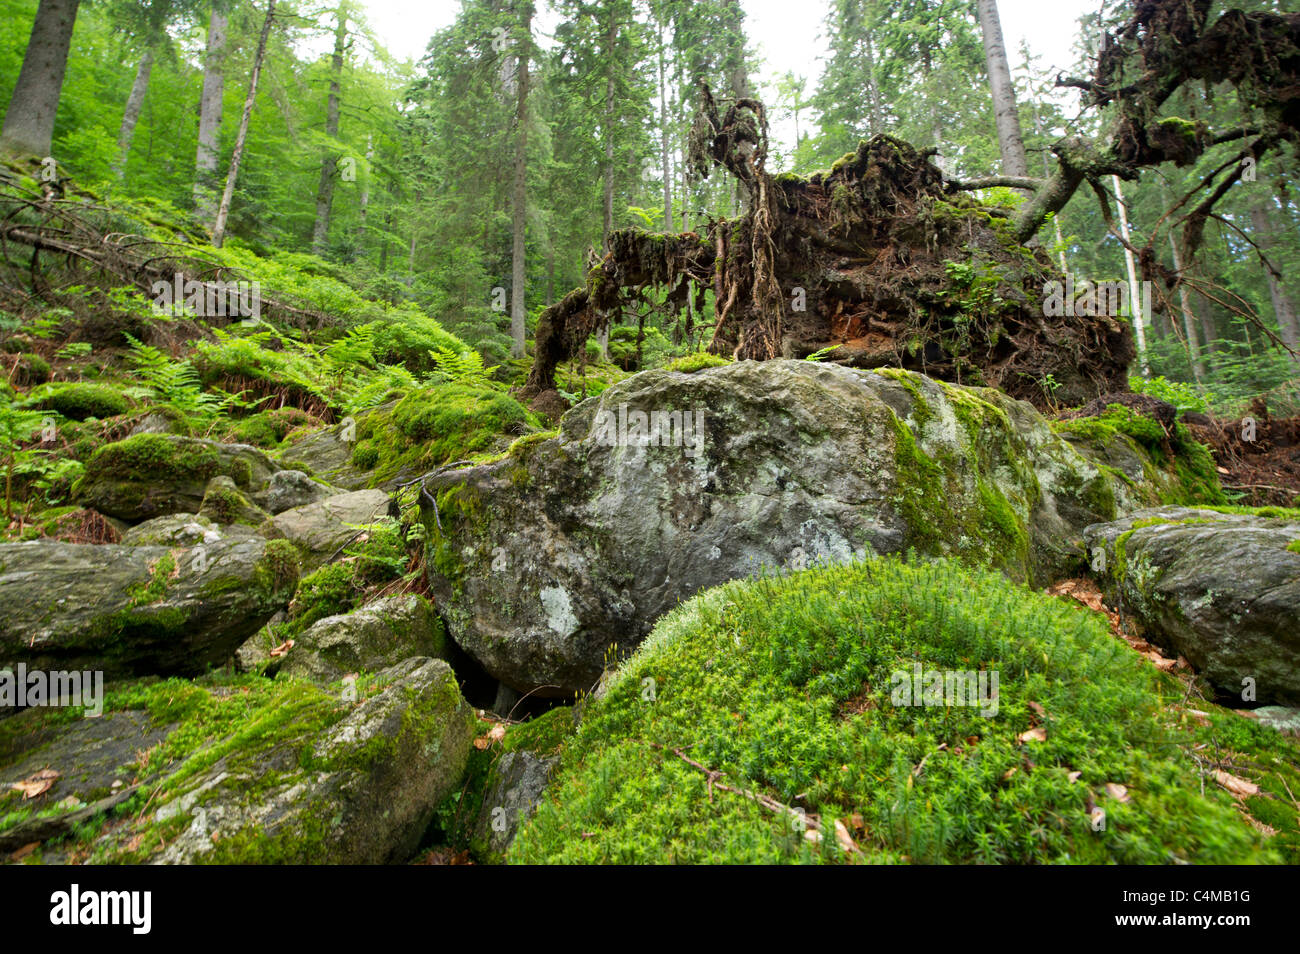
x: 309, y: 775
x: 321, y: 529
x: 544, y: 561
x: 134, y: 610
x: 366, y: 640
x: 363, y: 791
x: 149, y: 475
x: 515, y: 787
x: 291, y: 488
x: 1220, y: 589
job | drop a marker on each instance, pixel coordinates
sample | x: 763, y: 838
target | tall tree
x: 211, y: 98
x: 29, y: 120
x: 330, y: 162
x: 1005, y: 113
x: 519, y: 203
x: 241, y: 138
x: 1261, y: 219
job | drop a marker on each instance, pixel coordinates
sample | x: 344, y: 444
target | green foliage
x: 1184, y: 397
x: 787, y: 687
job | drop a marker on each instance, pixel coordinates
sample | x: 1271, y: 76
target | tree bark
x: 1006, y: 116
x: 131, y: 115
x: 330, y: 164
x: 663, y: 136
x: 1283, y: 306
x: 29, y: 121
x: 519, y: 212
x: 1135, y: 299
x: 241, y: 138
x: 363, y: 204
x: 207, y: 158
x: 1185, y: 305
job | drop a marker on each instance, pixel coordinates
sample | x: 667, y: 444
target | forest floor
x: 1264, y: 465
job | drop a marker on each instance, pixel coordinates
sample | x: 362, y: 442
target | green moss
x: 437, y: 425
x: 987, y: 530
x: 154, y: 458
x: 160, y: 572
x: 697, y: 361
x: 785, y: 686
x: 365, y: 455
x: 1188, y: 464
x: 78, y: 400
x: 1293, y: 546
x: 543, y: 736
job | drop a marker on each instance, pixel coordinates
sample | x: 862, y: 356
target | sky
x: 783, y: 34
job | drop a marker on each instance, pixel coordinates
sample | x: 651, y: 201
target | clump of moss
x: 1293, y: 546
x: 153, y: 457
x: 1176, y: 452
x: 365, y: 455
x: 698, y: 361
x: 78, y: 400
x: 437, y: 425
x: 378, y: 558
x: 269, y: 428
x: 30, y: 369
x: 790, y: 688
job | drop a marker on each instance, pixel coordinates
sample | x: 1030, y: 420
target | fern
x: 465, y: 367
x: 173, y: 382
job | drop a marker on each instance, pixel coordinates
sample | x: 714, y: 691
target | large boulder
x: 322, y: 529
x: 363, y: 791
x: 552, y: 561
x: 149, y: 475
x: 135, y: 610
x: 1221, y: 589
x: 268, y: 771
x: 366, y: 640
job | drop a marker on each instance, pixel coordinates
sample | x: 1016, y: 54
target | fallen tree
x: 881, y: 261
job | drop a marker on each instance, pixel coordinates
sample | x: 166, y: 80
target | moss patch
x: 786, y: 687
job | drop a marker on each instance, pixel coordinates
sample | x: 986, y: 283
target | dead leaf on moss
x: 37, y: 784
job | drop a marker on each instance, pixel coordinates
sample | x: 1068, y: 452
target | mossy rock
x: 223, y: 504
x: 247, y: 770
x: 150, y: 475
x: 796, y: 691
x: 78, y: 400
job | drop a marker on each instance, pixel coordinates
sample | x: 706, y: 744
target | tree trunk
x: 1007, y: 117
x: 519, y: 210
x: 1135, y: 300
x: 207, y: 157
x: 29, y: 121
x: 663, y: 138
x: 236, y: 157
x: 876, y: 114
x: 131, y: 115
x: 1283, y: 307
x: 364, y: 203
x: 330, y: 164
x: 611, y: 36
x: 1185, y: 304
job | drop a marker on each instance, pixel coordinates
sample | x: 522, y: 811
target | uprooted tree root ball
x: 879, y: 260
